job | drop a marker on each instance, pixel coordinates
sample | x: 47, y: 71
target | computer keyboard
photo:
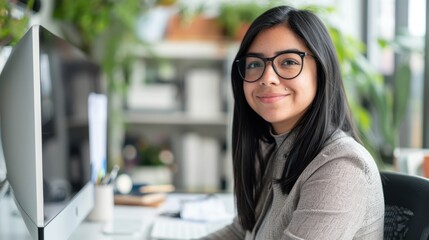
x: 177, y: 229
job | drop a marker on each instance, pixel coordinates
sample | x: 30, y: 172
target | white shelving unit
x: 199, y: 142
x: 175, y: 118
x: 202, y: 50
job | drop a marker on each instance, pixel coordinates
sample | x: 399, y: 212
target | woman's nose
x: 269, y: 77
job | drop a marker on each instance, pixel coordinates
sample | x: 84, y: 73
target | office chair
x: 406, y: 200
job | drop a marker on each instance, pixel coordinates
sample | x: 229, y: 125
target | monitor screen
x: 44, y: 91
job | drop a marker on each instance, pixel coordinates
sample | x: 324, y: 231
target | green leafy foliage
x: 233, y: 15
x: 150, y: 155
x: 377, y: 107
x: 12, y: 28
x: 101, y: 27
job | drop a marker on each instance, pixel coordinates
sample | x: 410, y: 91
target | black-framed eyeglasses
x: 287, y: 65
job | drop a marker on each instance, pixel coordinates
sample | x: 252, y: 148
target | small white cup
x: 104, y: 204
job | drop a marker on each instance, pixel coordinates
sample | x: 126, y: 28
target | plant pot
x: 197, y: 28
x: 239, y: 35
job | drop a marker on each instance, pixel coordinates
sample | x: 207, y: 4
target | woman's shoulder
x: 340, y: 144
x: 342, y: 151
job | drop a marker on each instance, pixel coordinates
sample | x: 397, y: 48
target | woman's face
x: 281, y: 102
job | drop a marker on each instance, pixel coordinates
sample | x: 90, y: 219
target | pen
x: 113, y: 174
x: 110, y: 177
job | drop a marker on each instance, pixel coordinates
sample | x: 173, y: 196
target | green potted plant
x: 236, y: 17
x: 149, y: 162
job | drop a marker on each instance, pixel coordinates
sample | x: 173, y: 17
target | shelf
x: 198, y: 50
x: 192, y: 132
x: 174, y: 118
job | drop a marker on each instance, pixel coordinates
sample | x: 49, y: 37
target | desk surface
x: 12, y: 227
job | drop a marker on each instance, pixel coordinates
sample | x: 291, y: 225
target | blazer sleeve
x: 332, y: 202
x: 233, y: 231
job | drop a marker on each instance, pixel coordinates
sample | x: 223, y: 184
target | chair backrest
x: 406, y: 200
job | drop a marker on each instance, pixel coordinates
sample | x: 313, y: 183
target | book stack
x: 144, y: 195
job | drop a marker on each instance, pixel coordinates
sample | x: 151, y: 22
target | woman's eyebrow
x: 255, y: 54
x: 258, y: 54
x: 289, y: 50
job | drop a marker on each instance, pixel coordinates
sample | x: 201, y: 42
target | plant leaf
x: 401, y: 89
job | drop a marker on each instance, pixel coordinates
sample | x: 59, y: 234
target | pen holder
x: 103, y: 204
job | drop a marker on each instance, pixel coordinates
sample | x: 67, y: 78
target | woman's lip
x: 271, y: 98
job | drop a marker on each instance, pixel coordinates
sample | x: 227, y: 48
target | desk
x: 12, y: 227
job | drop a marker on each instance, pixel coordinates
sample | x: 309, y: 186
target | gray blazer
x: 338, y: 196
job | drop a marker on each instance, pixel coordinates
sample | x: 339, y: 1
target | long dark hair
x: 328, y: 111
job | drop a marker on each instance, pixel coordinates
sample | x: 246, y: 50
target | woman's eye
x: 288, y: 62
x: 253, y: 65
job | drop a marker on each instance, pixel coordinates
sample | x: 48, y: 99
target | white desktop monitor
x: 44, y: 90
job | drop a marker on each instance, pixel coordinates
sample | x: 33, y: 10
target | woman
x: 299, y: 171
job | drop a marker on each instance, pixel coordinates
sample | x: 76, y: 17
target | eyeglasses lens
x: 286, y: 65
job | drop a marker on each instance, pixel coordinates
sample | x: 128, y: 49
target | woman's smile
x: 271, y: 97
